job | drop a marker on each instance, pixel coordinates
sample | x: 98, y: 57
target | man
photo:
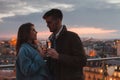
x: 67, y: 56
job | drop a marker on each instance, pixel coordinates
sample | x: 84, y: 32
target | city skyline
x: 89, y: 18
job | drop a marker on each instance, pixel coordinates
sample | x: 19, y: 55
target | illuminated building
x: 118, y: 47
x: 92, y: 53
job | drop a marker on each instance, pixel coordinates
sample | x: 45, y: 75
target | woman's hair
x: 23, y: 35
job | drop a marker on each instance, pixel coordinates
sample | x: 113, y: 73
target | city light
x: 92, y: 53
x: 13, y: 41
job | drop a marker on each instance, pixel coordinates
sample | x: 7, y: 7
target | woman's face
x: 33, y: 33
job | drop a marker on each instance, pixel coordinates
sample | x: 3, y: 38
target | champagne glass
x: 48, y: 46
x: 45, y: 44
x: 44, y: 48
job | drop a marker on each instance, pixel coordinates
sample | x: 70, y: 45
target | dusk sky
x: 89, y: 18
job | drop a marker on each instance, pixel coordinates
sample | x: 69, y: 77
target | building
x: 118, y: 47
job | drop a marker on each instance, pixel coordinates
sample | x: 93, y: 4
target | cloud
x: 96, y: 4
x: 113, y: 1
x: 94, y: 32
x: 25, y: 7
x: 82, y: 32
x: 91, y: 30
x: 7, y: 36
x: 103, y: 13
x: 5, y: 15
x: 85, y: 32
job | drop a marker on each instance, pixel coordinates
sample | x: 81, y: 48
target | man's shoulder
x: 67, y: 31
x: 71, y: 33
x: 72, y: 36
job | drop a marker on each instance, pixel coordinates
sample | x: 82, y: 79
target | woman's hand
x: 39, y: 48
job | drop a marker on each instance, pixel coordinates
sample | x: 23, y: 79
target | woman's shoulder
x: 24, y: 48
x: 25, y: 45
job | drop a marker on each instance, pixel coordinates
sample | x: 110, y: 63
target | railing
x: 100, y: 67
x: 7, y: 72
x: 7, y: 66
x: 94, y: 68
x: 103, y: 59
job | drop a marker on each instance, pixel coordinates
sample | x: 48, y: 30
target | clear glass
x: 45, y: 44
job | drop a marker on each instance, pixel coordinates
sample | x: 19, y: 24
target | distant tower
x: 118, y: 47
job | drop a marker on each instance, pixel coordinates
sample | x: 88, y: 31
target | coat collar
x: 64, y: 29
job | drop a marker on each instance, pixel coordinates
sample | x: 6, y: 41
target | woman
x: 29, y: 64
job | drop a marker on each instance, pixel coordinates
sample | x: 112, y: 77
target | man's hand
x: 53, y: 53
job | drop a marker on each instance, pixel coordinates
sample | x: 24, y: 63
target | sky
x: 88, y: 18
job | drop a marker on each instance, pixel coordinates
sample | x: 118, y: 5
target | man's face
x: 51, y: 24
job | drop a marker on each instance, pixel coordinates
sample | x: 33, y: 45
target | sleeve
x: 78, y: 59
x: 27, y: 65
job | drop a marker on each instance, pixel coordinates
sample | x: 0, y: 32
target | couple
x: 66, y: 57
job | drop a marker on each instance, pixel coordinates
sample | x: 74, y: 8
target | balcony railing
x: 96, y: 69
x: 102, y: 69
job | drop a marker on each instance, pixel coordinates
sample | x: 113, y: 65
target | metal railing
x: 88, y: 60
x: 103, y: 66
x: 102, y: 60
x: 7, y: 66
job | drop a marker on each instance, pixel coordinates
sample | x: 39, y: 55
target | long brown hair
x: 23, y: 35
